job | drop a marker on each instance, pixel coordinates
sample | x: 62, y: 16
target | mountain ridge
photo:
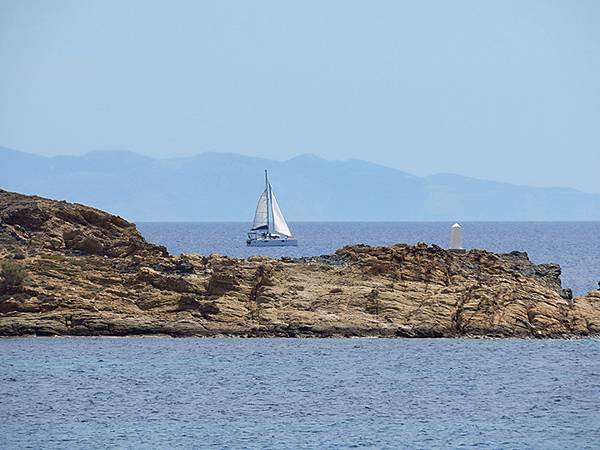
x: 216, y: 186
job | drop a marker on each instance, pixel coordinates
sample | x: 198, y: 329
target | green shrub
x: 12, y: 273
x: 53, y: 257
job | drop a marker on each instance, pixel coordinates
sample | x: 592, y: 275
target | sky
x: 504, y: 90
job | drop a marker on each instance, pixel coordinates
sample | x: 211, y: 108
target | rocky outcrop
x: 34, y: 224
x: 92, y: 273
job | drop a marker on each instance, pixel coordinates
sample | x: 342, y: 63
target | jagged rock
x: 92, y: 273
x: 74, y: 240
x: 165, y: 282
x: 47, y: 224
x: 566, y: 293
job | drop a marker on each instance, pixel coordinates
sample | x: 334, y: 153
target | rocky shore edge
x: 71, y: 270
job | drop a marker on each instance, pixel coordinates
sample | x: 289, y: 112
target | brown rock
x: 92, y: 273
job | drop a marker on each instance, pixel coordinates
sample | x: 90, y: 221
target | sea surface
x: 299, y: 393
x: 574, y: 245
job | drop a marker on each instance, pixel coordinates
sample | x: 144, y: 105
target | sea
x: 165, y: 393
x: 160, y: 392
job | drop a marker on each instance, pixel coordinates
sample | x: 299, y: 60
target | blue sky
x: 505, y: 90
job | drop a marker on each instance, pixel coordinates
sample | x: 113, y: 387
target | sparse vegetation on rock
x: 12, y: 275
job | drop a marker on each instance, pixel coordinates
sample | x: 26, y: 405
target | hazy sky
x: 506, y: 90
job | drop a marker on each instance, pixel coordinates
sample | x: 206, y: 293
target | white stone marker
x: 455, y: 238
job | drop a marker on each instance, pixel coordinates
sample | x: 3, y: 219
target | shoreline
x: 299, y: 338
x: 79, y: 271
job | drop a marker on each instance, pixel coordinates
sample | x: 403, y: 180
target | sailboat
x: 269, y: 228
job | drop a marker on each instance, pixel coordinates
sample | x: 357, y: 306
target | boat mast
x: 268, y: 188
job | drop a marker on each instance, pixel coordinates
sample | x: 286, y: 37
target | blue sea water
x: 574, y: 245
x: 299, y: 393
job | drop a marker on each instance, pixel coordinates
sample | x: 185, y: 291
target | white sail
x: 279, y: 224
x: 261, y: 214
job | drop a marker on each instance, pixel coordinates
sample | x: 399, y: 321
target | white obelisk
x: 455, y: 238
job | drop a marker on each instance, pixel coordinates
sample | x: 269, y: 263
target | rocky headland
x: 68, y: 269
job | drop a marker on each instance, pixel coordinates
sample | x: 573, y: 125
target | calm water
x: 265, y: 393
x: 574, y: 245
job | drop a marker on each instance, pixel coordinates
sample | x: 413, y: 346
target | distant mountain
x: 226, y: 186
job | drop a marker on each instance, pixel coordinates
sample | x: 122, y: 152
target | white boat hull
x: 272, y: 242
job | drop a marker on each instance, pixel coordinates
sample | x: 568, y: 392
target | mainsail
x: 261, y: 216
x: 279, y: 224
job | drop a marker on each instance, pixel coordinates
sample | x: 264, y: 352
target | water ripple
x: 267, y: 393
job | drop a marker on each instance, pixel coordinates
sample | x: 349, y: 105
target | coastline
x: 89, y: 273
x: 299, y: 338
